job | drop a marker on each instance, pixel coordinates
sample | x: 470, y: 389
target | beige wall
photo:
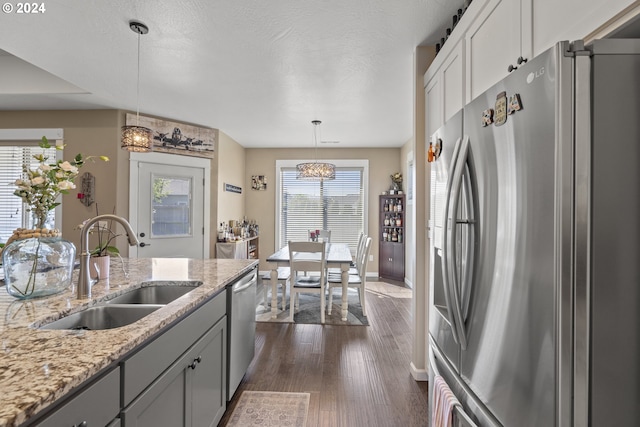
x: 231, y: 170
x: 90, y: 132
x: 260, y: 205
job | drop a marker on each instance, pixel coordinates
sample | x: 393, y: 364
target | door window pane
x: 171, y: 213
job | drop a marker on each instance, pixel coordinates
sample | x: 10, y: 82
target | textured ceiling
x: 258, y: 70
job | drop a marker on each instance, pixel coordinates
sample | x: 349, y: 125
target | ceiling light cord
x: 137, y: 138
x: 138, y: 86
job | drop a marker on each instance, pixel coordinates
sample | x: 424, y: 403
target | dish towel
x: 443, y: 403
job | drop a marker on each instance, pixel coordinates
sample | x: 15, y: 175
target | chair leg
x: 265, y: 294
x: 362, y: 296
x: 330, y: 301
x: 322, y: 308
x: 292, y: 296
x: 284, y: 296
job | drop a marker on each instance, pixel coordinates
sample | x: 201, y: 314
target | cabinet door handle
x: 82, y: 424
x: 195, y: 362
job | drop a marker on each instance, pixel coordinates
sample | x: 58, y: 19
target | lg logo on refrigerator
x: 534, y: 75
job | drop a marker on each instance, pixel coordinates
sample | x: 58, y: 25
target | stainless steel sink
x: 155, y: 294
x: 103, y: 317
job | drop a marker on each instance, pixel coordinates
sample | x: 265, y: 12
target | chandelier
x: 137, y: 138
x: 316, y: 171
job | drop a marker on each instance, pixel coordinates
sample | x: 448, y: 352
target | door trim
x: 171, y: 160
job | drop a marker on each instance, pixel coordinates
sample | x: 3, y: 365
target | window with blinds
x: 336, y: 205
x: 13, y: 213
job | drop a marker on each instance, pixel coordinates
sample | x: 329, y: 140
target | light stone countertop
x: 38, y: 367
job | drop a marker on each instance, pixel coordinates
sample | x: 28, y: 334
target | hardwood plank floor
x: 356, y: 375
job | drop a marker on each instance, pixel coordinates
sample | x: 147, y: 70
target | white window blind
x: 336, y: 205
x: 12, y: 211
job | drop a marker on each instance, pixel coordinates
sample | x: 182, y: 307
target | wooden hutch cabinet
x: 392, y: 236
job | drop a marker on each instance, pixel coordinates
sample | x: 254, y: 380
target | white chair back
x: 306, y: 258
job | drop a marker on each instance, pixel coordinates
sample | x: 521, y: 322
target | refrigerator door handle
x: 445, y: 243
x: 453, y: 279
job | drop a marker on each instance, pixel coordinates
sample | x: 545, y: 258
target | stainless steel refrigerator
x: 534, y: 314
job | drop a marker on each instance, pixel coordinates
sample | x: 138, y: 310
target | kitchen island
x: 39, y: 368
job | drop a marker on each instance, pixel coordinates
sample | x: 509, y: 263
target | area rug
x: 270, y: 409
x: 309, y: 311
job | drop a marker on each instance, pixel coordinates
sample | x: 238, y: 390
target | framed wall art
x: 178, y: 138
x: 258, y: 182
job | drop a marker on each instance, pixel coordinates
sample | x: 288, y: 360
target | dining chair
x: 308, y: 264
x: 283, y: 278
x: 355, y: 280
x: 359, y: 248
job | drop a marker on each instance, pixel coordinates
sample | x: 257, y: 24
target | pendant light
x: 316, y: 171
x: 137, y: 138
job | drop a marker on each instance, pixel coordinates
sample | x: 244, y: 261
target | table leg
x: 274, y: 293
x: 345, y: 290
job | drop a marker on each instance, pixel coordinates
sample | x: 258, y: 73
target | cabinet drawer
x: 142, y: 368
x: 96, y: 405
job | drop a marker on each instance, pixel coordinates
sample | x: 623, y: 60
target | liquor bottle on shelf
x: 394, y: 235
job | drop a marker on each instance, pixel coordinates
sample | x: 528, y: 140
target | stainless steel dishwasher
x: 241, y: 320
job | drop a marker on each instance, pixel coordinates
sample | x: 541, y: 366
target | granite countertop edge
x: 40, y: 367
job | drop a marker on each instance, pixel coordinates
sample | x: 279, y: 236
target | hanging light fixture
x: 137, y: 138
x: 316, y: 171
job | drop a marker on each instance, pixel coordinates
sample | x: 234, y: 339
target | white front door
x: 169, y: 207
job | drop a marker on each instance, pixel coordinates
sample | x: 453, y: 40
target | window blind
x: 13, y: 213
x: 336, y: 205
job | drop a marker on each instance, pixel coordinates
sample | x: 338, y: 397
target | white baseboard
x: 419, y: 374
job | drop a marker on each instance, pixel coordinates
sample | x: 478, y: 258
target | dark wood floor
x: 356, y: 375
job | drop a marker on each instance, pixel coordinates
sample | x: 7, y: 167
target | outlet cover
x: 370, y: 257
x: 103, y: 224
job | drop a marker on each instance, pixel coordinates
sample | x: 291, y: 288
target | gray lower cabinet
x: 95, y: 405
x: 189, y: 391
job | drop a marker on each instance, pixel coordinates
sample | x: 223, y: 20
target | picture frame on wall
x: 258, y: 182
x: 178, y: 138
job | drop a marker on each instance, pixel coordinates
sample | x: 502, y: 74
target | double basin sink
x: 124, y: 309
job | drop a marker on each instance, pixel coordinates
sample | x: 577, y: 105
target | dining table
x: 338, y: 256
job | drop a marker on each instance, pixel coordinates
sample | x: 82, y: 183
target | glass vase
x: 38, y: 266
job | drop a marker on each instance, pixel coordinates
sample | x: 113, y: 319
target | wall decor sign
x: 232, y: 188
x: 258, y: 182
x: 178, y: 138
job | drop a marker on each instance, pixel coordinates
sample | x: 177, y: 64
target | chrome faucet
x: 84, y: 281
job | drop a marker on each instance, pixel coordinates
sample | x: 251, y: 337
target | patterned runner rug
x: 270, y: 409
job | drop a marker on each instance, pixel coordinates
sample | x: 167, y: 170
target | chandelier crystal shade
x: 137, y: 138
x: 316, y: 171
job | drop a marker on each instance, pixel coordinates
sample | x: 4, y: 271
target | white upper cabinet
x: 498, y: 36
x: 453, y: 89
x: 445, y: 90
x: 571, y: 20
x: 433, y: 106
